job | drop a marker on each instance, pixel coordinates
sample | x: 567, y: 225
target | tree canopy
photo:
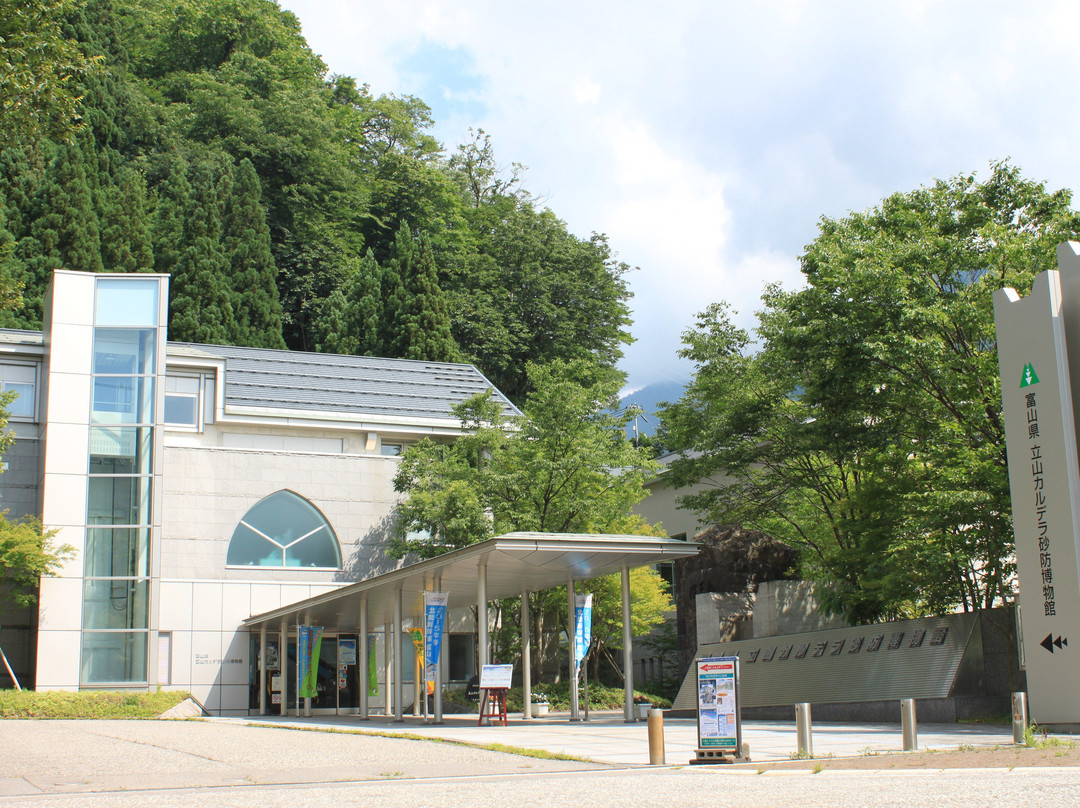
x: 203, y: 138
x: 564, y: 466
x: 864, y: 425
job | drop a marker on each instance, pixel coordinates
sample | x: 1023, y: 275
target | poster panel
x: 718, y: 703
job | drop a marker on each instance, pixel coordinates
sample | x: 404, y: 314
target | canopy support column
x: 364, y: 662
x: 628, y: 650
x: 398, y: 654
x: 482, y: 616
x: 283, y: 662
x: 571, y: 635
x: 526, y: 659
x: 388, y: 668
x: 262, y: 669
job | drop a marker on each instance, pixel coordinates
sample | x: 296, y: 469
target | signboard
x: 434, y: 624
x: 496, y: 676
x: 718, y: 721
x: 1039, y: 401
x: 275, y: 682
x: 310, y: 645
x: 346, y: 650
x: 582, y: 626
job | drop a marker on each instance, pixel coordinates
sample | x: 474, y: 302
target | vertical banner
x: 1038, y: 341
x: 718, y: 722
x: 372, y: 667
x: 417, y: 636
x: 434, y: 625
x: 582, y: 626
x: 310, y: 645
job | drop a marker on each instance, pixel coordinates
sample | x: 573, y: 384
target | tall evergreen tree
x: 396, y: 272
x: 68, y: 229
x: 125, y: 243
x: 425, y: 321
x: 200, y: 296
x: 369, y: 306
x: 350, y: 319
x: 173, y: 201
x: 254, y: 274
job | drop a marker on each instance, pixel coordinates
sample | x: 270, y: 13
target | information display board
x: 496, y: 676
x: 719, y: 725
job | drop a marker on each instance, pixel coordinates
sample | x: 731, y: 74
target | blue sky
x: 707, y: 138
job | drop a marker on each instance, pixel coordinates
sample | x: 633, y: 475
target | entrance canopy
x: 514, y: 563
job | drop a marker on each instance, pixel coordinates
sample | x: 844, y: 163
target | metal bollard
x: 908, y: 724
x: 804, y: 741
x: 656, y: 737
x: 1020, y: 717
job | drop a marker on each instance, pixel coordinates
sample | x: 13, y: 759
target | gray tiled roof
x: 352, y: 385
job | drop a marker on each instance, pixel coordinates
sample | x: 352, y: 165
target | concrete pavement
x: 606, y: 738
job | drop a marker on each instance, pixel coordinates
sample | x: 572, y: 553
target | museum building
x: 199, y: 485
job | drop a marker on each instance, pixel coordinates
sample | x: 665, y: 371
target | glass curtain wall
x: 116, y: 565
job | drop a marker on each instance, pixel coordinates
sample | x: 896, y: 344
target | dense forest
x: 292, y: 208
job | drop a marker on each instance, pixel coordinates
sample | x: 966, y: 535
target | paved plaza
x: 607, y: 738
x: 338, y: 762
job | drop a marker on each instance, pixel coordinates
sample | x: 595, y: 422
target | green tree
x: 200, y: 295
x: 38, y: 96
x: 867, y: 428
x: 533, y: 292
x: 563, y: 467
x: 425, y: 315
x: 246, y: 241
x: 125, y: 236
x: 27, y: 552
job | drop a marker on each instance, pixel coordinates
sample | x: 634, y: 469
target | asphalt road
x: 178, y: 764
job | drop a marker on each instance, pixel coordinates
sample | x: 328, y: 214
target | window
x: 284, y: 530
x: 182, y: 401
x: 21, y: 380
x: 392, y: 449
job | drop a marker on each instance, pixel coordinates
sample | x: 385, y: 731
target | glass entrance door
x: 337, y: 683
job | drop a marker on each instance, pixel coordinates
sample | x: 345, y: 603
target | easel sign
x: 493, y: 677
x: 494, y: 682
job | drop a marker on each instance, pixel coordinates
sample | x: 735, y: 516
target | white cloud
x: 708, y: 138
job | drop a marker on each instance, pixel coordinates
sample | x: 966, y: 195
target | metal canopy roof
x: 516, y: 563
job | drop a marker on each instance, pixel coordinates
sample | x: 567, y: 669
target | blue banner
x: 309, y: 645
x: 434, y: 624
x: 582, y: 626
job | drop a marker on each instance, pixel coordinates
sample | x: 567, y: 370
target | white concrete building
x: 200, y: 485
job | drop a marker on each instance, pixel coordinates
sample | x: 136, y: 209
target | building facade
x: 199, y: 485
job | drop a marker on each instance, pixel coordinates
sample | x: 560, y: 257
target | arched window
x: 284, y: 530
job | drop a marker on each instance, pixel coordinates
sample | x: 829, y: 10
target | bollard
x: 1020, y: 717
x: 656, y: 737
x: 804, y: 742
x: 908, y: 724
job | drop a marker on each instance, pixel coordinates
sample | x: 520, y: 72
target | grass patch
x: 524, y: 751
x: 87, y: 704
x: 1036, y: 737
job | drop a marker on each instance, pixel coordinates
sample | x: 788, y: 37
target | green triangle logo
x: 1029, y: 376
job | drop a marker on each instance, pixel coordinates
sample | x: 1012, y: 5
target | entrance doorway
x: 337, y: 680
